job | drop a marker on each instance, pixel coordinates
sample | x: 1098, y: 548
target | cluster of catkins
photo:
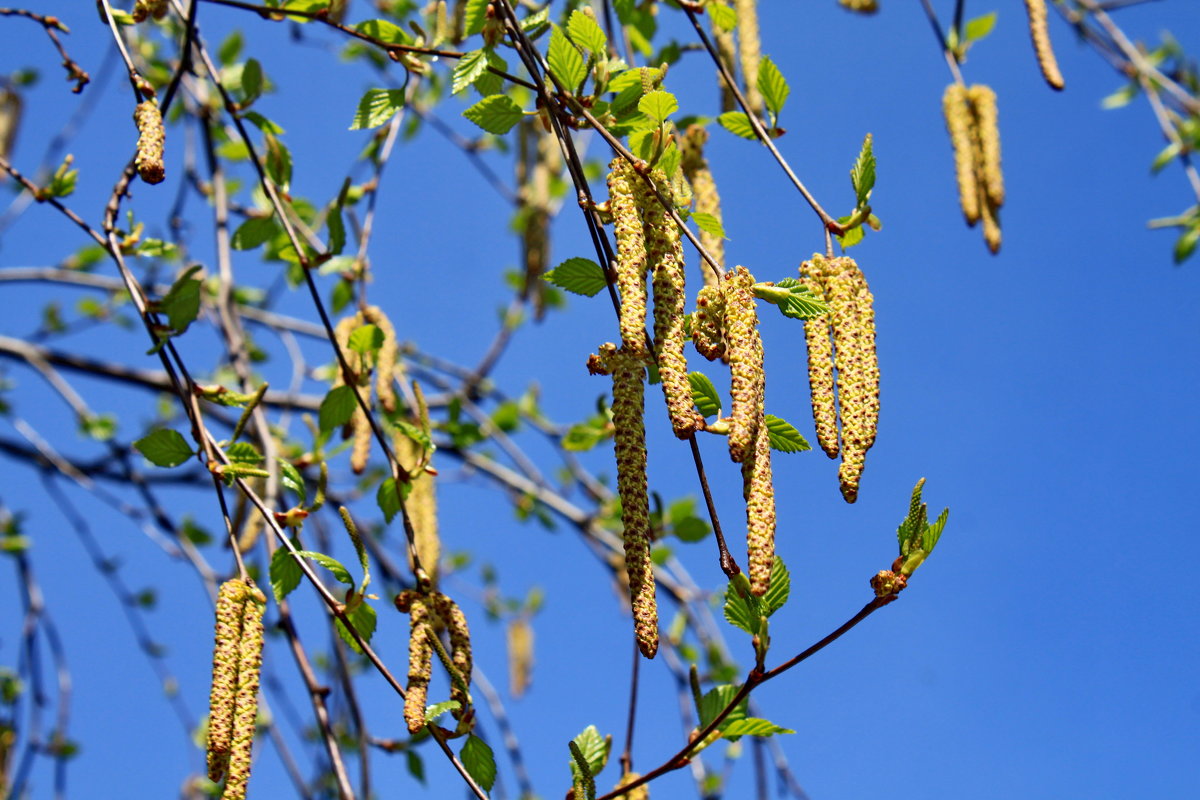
x: 974, y: 131
x: 385, y: 376
x: 429, y: 613
x: 843, y: 338
x: 233, y: 703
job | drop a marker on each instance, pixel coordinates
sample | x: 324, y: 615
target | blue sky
x: 1047, y: 395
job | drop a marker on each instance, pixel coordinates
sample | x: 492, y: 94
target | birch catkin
x: 820, y: 360
x: 631, y: 255
x: 151, y: 135
x: 455, y: 622
x: 1039, y: 32
x: 142, y: 9
x: 245, y: 712
x: 853, y: 322
x: 233, y: 702
x: 664, y: 257
x: 628, y: 407
x: 960, y: 125
x: 861, y: 6
x: 749, y: 52
x: 385, y: 364
x: 421, y: 507
x: 708, y: 323
x: 983, y: 105
x: 420, y: 658
x: 745, y: 361
x: 704, y: 189
x: 759, y: 493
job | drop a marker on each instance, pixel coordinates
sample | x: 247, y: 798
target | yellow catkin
x: 360, y: 425
x: 820, y: 360
x: 245, y: 713
x: 749, y: 52
x: 631, y: 255
x: 628, y: 406
x: 641, y: 792
x: 385, y: 364
x: 960, y: 125
x: 420, y: 658
x: 861, y: 6
x: 853, y: 321
x: 421, y: 507
x: 664, y: 257
x: 252, y: 520
x: 360, y: 452
x: 1040, y: 34
x: 143, y: 9
x: 704, y: 189
x: 745, y: 361
x: 708, y: 323
x: 10, y: 120
x: 991, y: 226
x: 726, y: 51
x: 987, y: 132
x: 520, y: 655
x: 759, y: 494
x: 231, y: 598
x: 455, y: 622
x: 151, y: 135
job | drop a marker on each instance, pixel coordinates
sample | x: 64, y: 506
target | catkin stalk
x: 960, y: 124
x: 749, y: 52
x: 245, y: 713
x: 664, y: 257
x: 704, y: 189
x: 1039, y: 32
x: 744, y: 346
x: 151, y: 135
x: 820, y: 360
x: 631, y: 255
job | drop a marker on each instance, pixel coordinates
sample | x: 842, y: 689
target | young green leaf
x: 340, y: 573
x: 792, y: 297
x: 182, y: 302
x: 781, y: 587
x: 565, y: 62
x: 658, y: 105
x: 164, y: 448
x: 387, y: 500
x: 737, y: 123
x: 862, y: 174
x: 773, y: 85
x: 243, y: 453
x: 578, y: 275
x: 724, y: 17
x: 715, y: 701
x: 279, y: 161
x: 497, y: 114
x: 337, y: 408
x: 252, y: 81
x: 376, y: 107
x: 366, y: 339
x: 285, y: 574
x: 742, y: 612
x: 704, y: 395
x: 292, y: 479
x: 475, y: 16
x: 253, y: 232
x: 784, y: 437
x: 584, y: 31
x: 437, y: 709
x: 262, y: 123
x: 593, y: 747
x: 363, y: 618
x: 709, y: 224
x: 751, y: 726
x: 979, y: 27
x: 470, y: 67
x: 480, y: 763
x: 384, y: 31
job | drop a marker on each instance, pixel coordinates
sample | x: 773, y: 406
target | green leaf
x: 565, y: 62
x: 1165, y: 156
x: 376, y: 107
x: 230, y: 49
x: 584, y: 31
x: 292, y: 479
x: 164, y: 448
x: 470, y: 67
x: 363, y: 618
x: 742, y: 612
x: 285, y: 574
x: 780, y: 589
x: 366, y: 339
x: 337, y: 408
x: 182, y: 302
x: 704, y: 395
x: 658, y: 105
x: 1185, y: 245
x: 437, y: 709
x: 715, y: 700
x: 243, y: 453
x: 583, y: 436
x: 737, y: 123
x: 475, y: 16
x: 862, y: 174
x: 252, y: 80
x: 384, y: 31
x: 933, y: 532
x: 773, y: 85
x: 979, y: 27
x: 340, y: 573
x: 752, y: 726
x: 709, y: 224
x: 387, y: 500
x: 253, y: 232
x: 852, y: 236
x: 496, y: 114
x: 594, y: 748
x: 578, y: 276
x: 535, y: 23
x: 416, y: 767
x: 262, y: 123
x: 477, y: 757
x: 784, y: 437
x: 279, y: 162
x: 724, y: 17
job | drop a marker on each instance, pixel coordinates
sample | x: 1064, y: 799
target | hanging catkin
x: 820, y: 360
x: 420, y: 657
x: 861, y: 6
x: 704, y: 189
x: 1040, y: 34
x: 749, y: 52
x: 983, y: 105
x: 972, y: 120
x: 519, y: 635
x: 421, y: 506
x: 455, y: 622
x: 744, y: 347
x: 233, y: 701
x: 628, y: 407
x: 245, y: 711
x: 759, y: 493
x: 631, y: 255
x: 708, y: 323
x: 960, y: 124
x: 664, y: 258
x: 149, y: 161
x: 385, y: 364
x: 231, y: 598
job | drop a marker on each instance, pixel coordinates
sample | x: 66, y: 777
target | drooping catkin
x: 704, y: 189
x: 664, y: 257
x: 421, y: 507
x: 628, y: 407
x: 142, y: 9
x: 987, y: 131
x: 726, y: 51
x: 252, y: 520
x: 758, y: 491
x: 861, y: 6
x: 360, y: 425
x: 452, y: 617
x: 749, y: 52
x: 231, y: 598
x: 151, y: 136
x: 10, y: 120
x: 991, y: 226
x: 631, y: 254
x: 385, y: 364
x: 520, y: 655
x: 641, y: 792
x: 245, y: 713
x: 744, y: 347
x: 1039, y: 32
x: 420, y: 657
x: 820, y: 360
x: 960, y: 125
x: 708, y: 323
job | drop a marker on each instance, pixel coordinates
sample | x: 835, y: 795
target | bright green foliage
x: 437, y: 709
x: 784, y: 437
x: 337, y: 408
x: 253, y: 232
x: 243, y: 453
x: 709, y: 224
x: 593, y: 751
x: 182, y: 303
x: 723, y: 16
x: 579, y: 276
x: 165, y: 448
x: 773, y: 85
x: 743, y: 610
x: 792, y: 297
x: 469, y: 69
x: 388, y: 500
x: 496, y: 114
x: 862, y: 174
x: 585, y: 32
x: 477, y: 757
x: 363, y: 618
x: 737, y: 123
x: 566, y: 64
x: 752, y: 726
x: 285, y: 573
x: 376, y: 107
x: 704, y: 395
x: 366, y: 339
x: 658, y: 105
x: 916, y: 535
